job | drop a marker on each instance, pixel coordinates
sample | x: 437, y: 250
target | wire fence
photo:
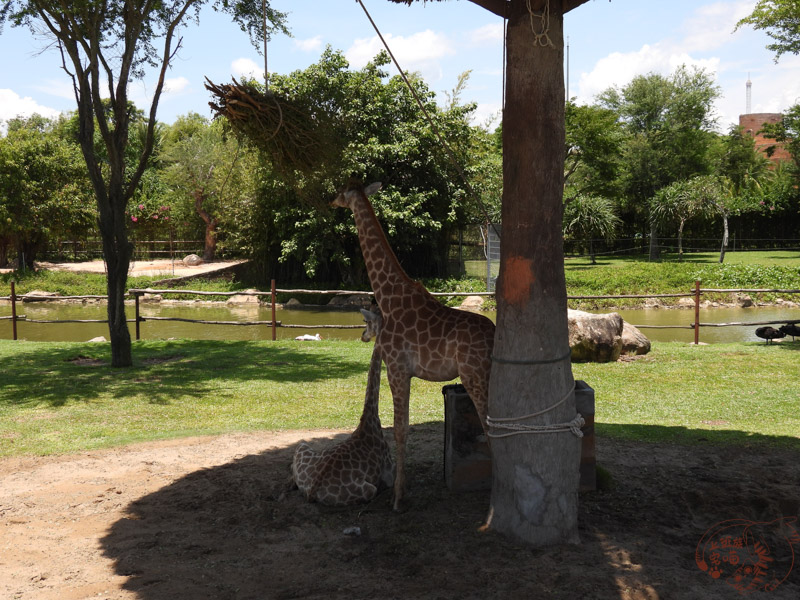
x: 274, y: 324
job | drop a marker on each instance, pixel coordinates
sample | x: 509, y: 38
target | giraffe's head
x: 374, y: 320
x: 347, y: 198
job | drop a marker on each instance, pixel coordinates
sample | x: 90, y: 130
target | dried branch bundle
x: 292, y: 134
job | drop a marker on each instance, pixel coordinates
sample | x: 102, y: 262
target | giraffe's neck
x: 383, y: 268
x: 370, y: 419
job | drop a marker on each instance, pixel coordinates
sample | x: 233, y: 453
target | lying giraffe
x: 420, y: 337
x: 353, y: 470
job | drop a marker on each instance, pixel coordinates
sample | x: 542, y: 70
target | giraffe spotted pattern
x: 354, y: 470
x: 419, y: 337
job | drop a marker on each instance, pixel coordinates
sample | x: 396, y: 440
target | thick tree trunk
x: 210, y: 246
x: 26, y: 254
x: 680, y: 241
x: 535, y: 476
x: 112, y: 223
x: 4, y: 246
x: 117, y: 252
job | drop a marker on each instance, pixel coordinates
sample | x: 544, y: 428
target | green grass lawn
x: 64, y: 397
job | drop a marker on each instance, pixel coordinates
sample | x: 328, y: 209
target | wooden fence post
x: 272, y: 301
x: 13, y: 311
x: 696, y: 312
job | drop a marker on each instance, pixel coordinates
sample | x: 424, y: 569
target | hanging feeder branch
x: 292, y: 135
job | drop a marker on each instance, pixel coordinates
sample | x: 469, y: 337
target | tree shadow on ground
x: 232, y: 531
x: 58, y: 375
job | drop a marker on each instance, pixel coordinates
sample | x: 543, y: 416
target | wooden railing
x: 137, y: 294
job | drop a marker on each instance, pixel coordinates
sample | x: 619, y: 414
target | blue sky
x: 609, y: 43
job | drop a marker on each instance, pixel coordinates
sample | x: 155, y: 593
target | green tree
x: 44, y: 189
x: 594, y: 140
x: 669, y: 124
x: 383, y: 136
x: 104, y: 45
x: 739, y: 161
x: 780, y: 20
x: 590, y: 217
x: 676, y: 203
x: 787, y: 132
x: 207, y: 169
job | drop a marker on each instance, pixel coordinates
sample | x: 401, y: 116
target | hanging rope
x: 513, y: 426
x: 434, y: 128
x: 542, y: 38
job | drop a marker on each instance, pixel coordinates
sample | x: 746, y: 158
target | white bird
x: 309, y: 338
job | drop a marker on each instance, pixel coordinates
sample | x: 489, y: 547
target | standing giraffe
x: 420, y: 336
x: 353, y: 470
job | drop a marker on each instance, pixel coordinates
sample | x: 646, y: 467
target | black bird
x: 770, y: 333
x: 791, y: 329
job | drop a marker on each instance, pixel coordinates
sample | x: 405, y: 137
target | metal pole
x: 272, y: 298
x: 696, y: 312
x: 488, y: 256
x: 13, y: 311
x: 266, y: 69
x: 136, y: 302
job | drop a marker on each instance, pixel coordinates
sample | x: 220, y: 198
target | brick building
x: 752, y: 123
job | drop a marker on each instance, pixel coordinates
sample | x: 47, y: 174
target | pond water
x: 221, y: 312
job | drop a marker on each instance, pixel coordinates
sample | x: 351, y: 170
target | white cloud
x: 706, y: 32
x: 490, y: 33
x: 175, y: 85
x: 421, y: 52
x: 618, y: 68
x: 712, y: 26
x: 13, y: 105
x: 487, y: 113
x: 777, y: 89
x: 310, y: 44
x: 61, y: 88
x: 245, y: 67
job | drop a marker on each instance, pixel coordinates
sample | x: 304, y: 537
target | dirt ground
x: 165, y: 267
x: 210, y: 518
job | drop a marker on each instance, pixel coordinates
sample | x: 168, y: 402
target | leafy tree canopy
x: 780, y: 20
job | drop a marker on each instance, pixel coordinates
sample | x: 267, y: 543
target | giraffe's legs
x: 400, y: 384
x: 478, y: 390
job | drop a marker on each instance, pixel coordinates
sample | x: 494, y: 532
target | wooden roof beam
x: 498, y: 7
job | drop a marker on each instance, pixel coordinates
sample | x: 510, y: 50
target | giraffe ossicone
x: 354, y: 470
x: 419, y: 337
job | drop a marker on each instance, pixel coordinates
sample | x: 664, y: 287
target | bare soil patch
x: 211, y: 518
x: 165, y: 267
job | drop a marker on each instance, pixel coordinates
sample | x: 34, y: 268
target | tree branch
x: 166, y: 61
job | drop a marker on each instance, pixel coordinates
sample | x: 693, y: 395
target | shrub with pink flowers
x: 149, y: 219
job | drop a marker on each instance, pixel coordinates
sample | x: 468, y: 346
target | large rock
x: 743, y: 300
x: 594, y: 338
x: 472, y: 303
x: 633, y: 340
x: 244, y: 298
x: 38, y: 296
x: 350, y: 301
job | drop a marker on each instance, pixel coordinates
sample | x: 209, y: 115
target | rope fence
x: 273, y: 323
